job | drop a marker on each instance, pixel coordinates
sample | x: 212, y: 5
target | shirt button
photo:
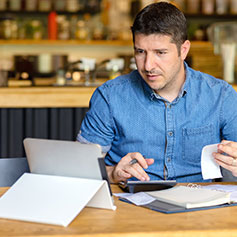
x: 169, y: 106
x: 168, y: 159
x: 170, y: 134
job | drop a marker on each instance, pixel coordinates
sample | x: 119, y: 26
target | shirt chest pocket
x: 193, y: 140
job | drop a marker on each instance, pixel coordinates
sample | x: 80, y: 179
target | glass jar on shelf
x: 37, y: 29
x: 222, y: 6
x: 14, y: 5
x: 208, y: 7
x: 33, y: 29
x: 3, y: 5
x: 72, y: 5
x: 82, y: 32
x: 180, y: 4
x: 8, y: 28
x: 63, y: 27
x: 73, y: 26
x: 233, y: 6
x: 45, y: 5
x: 193, y: 6
x: 31, y: 5
x: 59, y: 5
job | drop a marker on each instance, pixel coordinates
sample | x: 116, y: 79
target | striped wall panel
x: 50, y: 123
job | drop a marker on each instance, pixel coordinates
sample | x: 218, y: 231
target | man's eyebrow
x: 136, y: 47
x: 164, y: 49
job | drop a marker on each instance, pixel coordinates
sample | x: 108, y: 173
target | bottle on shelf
x: 52, y: 26
x: 222, y: 6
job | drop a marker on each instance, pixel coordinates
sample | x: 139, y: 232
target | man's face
x: 159, y: 62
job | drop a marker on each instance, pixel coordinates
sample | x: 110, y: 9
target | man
x: 154, y: 122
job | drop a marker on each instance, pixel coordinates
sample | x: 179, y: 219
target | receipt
x: 138, y: 199
x: 210, y: 169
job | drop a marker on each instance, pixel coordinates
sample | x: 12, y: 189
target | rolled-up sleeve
x: 97, y: 126
x: 228, y: 114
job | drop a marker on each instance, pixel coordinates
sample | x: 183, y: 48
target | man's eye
x: 139, y: 51
x: 161, y: 52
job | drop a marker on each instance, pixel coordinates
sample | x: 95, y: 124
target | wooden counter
x: 47, y: 97
x: 131, y: 221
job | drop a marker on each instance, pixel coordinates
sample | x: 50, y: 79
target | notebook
x: 180, y: 199
x: 189, y: 197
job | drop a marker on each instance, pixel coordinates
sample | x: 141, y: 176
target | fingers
x: 136, y: 169
x: 227, y: 156
x: 149, y: 161
x: 138, y: 156
x: 230, y: 165
x: 132, y: 165
x: 223, y: 159
x: 228, y: 147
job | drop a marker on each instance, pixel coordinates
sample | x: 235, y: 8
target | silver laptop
x: 65, y: 158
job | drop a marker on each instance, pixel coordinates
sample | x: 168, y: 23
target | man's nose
x: 149, y: 62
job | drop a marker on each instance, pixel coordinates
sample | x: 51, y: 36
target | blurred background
x: 54, y: 53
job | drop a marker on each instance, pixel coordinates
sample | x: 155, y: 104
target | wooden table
x: 129, y: 220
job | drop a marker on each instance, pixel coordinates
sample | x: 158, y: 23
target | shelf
x: 44, y: 13
x: 212, y: 16
x: 194, y: 44
x: 66, y: 42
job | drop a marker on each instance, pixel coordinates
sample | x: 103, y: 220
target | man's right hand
x: 125, y: 169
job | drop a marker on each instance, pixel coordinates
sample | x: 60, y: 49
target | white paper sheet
x: 232, y: 189
x: 138, y: 199
x: 50, y: 199
x: 210, y: 169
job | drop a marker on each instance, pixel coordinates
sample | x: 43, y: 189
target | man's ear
x: 185, y: 49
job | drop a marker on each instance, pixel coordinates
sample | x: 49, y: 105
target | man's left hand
x: 227, y: 156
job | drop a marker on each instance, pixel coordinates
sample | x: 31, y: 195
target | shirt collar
x: 182, y: 91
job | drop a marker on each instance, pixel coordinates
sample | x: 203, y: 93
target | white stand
x: 53, y: 199
x: 228, y: 57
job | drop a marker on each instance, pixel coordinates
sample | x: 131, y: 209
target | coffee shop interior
x: 55, y: 53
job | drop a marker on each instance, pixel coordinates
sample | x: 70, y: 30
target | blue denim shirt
x: 127, y: 116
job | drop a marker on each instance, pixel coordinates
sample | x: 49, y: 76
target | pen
x: 133, y: 161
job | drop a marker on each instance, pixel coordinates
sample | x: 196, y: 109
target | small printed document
x: 139, y: 199
x: 210, y: 169
x: 228, y: 188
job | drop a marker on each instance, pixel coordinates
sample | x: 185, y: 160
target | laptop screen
x: 65, y: 158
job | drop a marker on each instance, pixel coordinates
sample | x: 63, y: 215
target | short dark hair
x: 161, y: 18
